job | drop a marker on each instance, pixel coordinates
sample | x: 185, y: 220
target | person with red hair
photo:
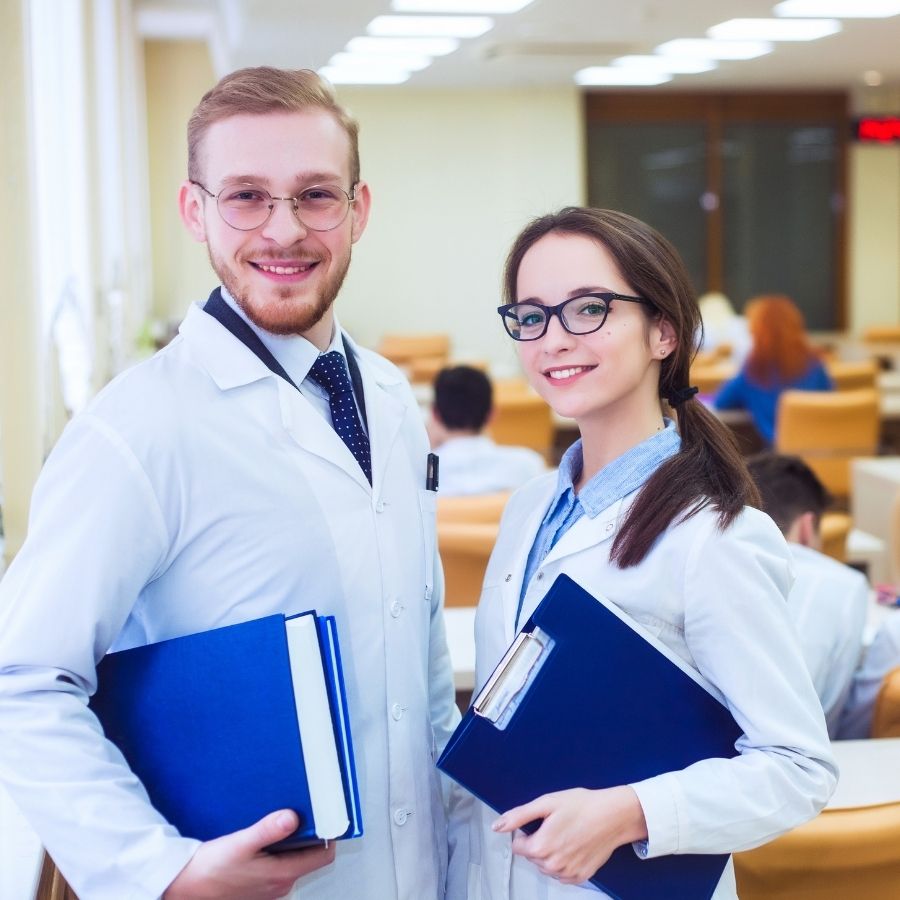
x: 780, y: 359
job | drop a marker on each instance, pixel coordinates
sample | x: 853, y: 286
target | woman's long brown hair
x: 709, y: 469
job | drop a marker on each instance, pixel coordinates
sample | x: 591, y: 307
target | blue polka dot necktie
x: 330, y: 371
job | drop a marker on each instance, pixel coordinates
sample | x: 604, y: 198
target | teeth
x: 284, y: 270
x: 566, y: 373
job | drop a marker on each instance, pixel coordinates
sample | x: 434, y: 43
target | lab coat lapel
x: 587, y: 533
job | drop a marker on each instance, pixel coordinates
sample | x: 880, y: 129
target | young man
x: 202, y: 489
x: 471, y: 463
x: 828, y: 600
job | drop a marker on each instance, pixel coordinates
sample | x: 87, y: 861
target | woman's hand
x: 236, y: 867
x: 581, y: 828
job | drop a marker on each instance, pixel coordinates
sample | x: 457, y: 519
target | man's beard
x: 291, y: 315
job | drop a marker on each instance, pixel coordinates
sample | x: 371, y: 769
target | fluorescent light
x: 358, y: 75
x: 411, y: 62
x: 674, y: 65
x: 400, y: 46
x: 599, y: 75
x: 840, y: 9
x: 489, y: 7
x: 774, y: 29
x: 707, y: 49
x: 430, y: 26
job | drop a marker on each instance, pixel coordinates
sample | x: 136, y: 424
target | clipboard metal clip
x: 509, y: 682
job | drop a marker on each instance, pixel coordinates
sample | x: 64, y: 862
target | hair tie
x: 677, y: 397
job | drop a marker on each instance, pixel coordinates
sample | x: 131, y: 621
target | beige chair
x: 886, y: 714
x: 827, y: 429
x: 882, y: 334
x: 465, y: 548
x: 421, y: 356
x: 521, y: 417
x: 474, y: 508
x: 834, y: 528
x: 709, y: 377
x: 842, y: 853
x: 850, y: 376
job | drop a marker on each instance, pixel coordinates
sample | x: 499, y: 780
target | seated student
x: 828, y: 600
x: 881, y: 657
x: 471, y: 463
x: 780, y: 359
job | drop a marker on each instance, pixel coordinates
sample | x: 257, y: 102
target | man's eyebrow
x: 301, y: 178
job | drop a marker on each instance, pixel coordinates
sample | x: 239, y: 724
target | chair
x: 834, y: 528
x: 465, y: 548
x: 521, y: 417
x: 474, y: 509
x: 841, y: 853
x: 827, y: 429
x: 849, y: 376
x: 886, y: 714
x: 400, y: 349
x: 709, y: 377
x: 882, y: 334
x: 51, y: 884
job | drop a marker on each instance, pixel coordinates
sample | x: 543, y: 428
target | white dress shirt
x: 827, y: 605
x: 199, y: 490
x: 717, y: 599
x: 474, y: 464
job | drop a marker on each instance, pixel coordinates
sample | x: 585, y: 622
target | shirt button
x: 396, y: 712
x: 379, y: 506
x: 396, y: 609
x: 400, y: 816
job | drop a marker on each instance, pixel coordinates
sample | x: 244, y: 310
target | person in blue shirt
x: 781, y: 359
x: 658, y: 519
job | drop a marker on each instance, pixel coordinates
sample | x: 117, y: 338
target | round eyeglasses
x: 579, y: 315
x: 245, y: 207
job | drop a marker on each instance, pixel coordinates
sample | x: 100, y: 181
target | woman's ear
x: 664, y: 340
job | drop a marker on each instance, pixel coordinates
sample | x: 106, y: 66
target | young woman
x: 780, y: 359
x: 660, y: 521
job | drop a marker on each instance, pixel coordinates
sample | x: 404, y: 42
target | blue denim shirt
x: 614, y: 481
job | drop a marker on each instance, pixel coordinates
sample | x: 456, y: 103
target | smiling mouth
x: 560, y: 374
x: 284, y: 270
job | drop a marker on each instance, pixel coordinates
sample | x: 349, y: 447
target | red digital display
x: 883, y: 130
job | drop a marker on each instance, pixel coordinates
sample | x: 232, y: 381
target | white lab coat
x: 199, y: 490
x: 474, y: 464
x: 827, y: 605
x: 717, y: 600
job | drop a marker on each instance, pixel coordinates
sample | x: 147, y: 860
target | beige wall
x: 177, y: 74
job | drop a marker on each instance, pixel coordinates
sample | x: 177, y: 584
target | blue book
x: 229, y: 725
x: 584, y: 699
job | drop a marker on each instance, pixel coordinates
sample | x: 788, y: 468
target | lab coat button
x: 540, y: 576
x: 400, y: 816
x: 396, y: 712
x: 379, y: 506
x: 396, y: 609
x: 609, y: 526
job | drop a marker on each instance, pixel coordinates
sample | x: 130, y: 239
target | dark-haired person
x: 470, y: 462
x: 828, y: 600
x: 660, y: 521
x: 261, y: 463
x: 780, y: 359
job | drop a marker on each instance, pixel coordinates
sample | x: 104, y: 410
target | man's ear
x: 804, y: 530
x: 193, y: 213
x: 362, y: 203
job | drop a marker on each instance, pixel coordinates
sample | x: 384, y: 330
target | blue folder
x: 582, y: 699
x: 209, y: 723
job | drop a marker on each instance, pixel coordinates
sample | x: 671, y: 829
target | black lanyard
x: 228, y: 318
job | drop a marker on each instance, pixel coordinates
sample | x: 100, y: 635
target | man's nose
x: 283, y: 226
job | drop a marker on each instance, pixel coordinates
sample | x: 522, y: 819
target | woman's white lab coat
x: 717, y: 600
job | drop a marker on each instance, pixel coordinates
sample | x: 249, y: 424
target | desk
x: 870, y: 773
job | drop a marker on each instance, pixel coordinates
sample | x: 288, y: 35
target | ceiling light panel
x: 380, y: 45
x: 411, y: 62
x: 839, y: 9
x: 708, y: 49
x: 774, y: 29
x: 430, y: 26
x: 619, y: 76
x: 484, y: 7
x: 358, y: 75
x: 672, y: 64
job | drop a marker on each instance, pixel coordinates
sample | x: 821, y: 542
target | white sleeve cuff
x: 659, y: 802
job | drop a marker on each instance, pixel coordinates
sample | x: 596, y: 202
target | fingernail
x: 498, y: 825
x: 286, y: 820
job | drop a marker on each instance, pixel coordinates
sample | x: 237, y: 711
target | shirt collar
x: 618, y: 478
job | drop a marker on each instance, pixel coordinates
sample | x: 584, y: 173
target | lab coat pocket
x: 428, y: 511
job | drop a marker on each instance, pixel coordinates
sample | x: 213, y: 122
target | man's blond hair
x: 261, y: 90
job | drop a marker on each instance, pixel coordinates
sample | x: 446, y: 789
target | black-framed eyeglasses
x: 578, y: 315
x: 321, y: 207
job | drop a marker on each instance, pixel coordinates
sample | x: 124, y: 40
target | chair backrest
x: 841, y: 853
x: 887, y: 334
x: 833, y: 529
x: 709, y: 377
x: 827, y: 429
x: 886, y: 714
x: 521, y: 417
x: 401, y: 349
x: 850, y: 376
x: 465, y: 548
x: 474, y: 508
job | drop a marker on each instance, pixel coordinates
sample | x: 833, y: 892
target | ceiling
x: 543, y: 44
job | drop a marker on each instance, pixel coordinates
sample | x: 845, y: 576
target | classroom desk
x: 870, y: 773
